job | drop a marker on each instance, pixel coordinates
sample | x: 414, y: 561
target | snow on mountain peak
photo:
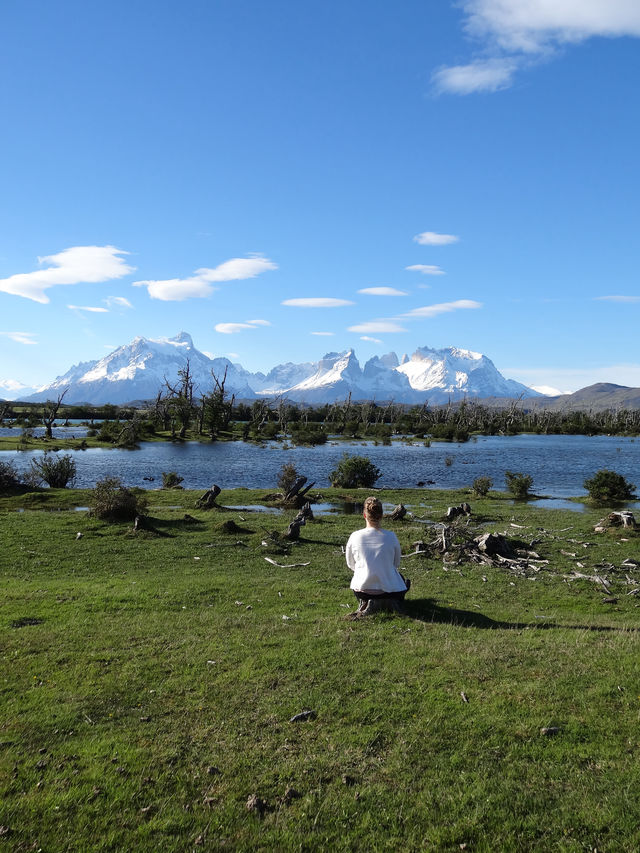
x: 140, y: 369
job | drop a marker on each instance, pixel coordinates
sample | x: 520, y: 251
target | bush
x: 287, y: 476
x: 58, y: 472
x: 354, y: 472
x: 9, y: 478
x: 111, y: 501
x: 481, y: 486
x: 609, y: 487
x: 171, y: 480
x: 518, y: 484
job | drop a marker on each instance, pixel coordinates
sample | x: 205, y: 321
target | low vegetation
x: 518, y: 484
x: 153, y: 681
x: 609, y: 487
x: 58, y: 472
x: 353, y: 472
x: 109, y: 500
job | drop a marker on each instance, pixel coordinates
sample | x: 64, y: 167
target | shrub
x: 518, y: 484
x: 354, y: 472
x: 9, y: 478
x: 171, y: 480
x: 287, y: 476
x: 609, y: 487
x: 481, y: 486
x: 58, y: 472
x: 111, y: 501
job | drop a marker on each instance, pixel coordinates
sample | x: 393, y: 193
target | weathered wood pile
x: 616, y: 519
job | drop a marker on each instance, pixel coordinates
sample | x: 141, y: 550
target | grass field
x: 148, y: 680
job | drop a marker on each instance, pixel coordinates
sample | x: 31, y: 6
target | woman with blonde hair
x: 373, y: 555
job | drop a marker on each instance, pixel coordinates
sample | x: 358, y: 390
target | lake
x: 558, y: 464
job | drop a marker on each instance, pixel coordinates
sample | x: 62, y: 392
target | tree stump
x: 208, y: 499
x: 382, y: 605
x: 398, y: 513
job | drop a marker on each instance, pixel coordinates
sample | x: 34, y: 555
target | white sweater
x: 373, y: 555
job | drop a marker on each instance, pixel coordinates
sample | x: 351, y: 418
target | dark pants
x: 367, y: 596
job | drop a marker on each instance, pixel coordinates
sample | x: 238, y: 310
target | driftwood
x: 493, y: 544
x: 304, y: 515
x: 208, y: 499
x: 616, y: 519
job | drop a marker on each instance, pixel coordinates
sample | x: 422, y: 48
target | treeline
x: 181, y: 411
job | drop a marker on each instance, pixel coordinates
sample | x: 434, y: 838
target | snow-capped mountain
x: 449, y: 372
x: 139, y: 370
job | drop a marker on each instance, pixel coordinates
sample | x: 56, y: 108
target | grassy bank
x: 148, y: 681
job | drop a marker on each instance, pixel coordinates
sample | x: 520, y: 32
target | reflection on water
x: 559, y: 464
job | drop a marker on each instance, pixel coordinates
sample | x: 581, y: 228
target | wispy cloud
x: 372, y: 340
x: 382, y: 291
x: 89, y: 308
x: 200, y: 284
x: 324, y: 334
x: 377, y: 327
x: 431, y: 238
x: 79, y: 264
x: 117, y: 302
x: 442, y: 308
x: 11, y: 385
x: 482, y: 75
x: 618, y: 298
x: 20, y: 337
x: 234, y: 328
x: 317, y: 302
x: 426, y: 269
x: 513, y: 34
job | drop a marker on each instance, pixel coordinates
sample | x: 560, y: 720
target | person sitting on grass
x: 373, y: 555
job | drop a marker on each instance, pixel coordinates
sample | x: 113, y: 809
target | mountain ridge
x: 138, y: 371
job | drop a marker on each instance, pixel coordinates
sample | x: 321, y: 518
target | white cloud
x: 483, y: 75
x: 431, y: 238
x: 382, y: 291
x: 88, y: 308
x: 233, y: 328
x: 117, y: 301
x: 199, y: 285
x: 79, y: 264
x: 442, y: 308
x: 618, y: 298
x: 426, y: 269
x: 316, y: 302
x: 531, y: 26
x: 20, y: 337
x: 377, y: 327
x: 515, y: 33
x: 324, y: 334
x: 11, y: 385
x: 372, y: 340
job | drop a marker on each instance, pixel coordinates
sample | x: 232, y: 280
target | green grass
x: 147, y: 681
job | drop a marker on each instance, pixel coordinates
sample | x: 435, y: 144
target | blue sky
x: 284, y: 179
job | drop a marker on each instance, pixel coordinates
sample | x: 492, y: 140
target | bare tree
x: 50, y: 412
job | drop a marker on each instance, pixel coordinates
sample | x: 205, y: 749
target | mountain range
x: 138, y: 370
